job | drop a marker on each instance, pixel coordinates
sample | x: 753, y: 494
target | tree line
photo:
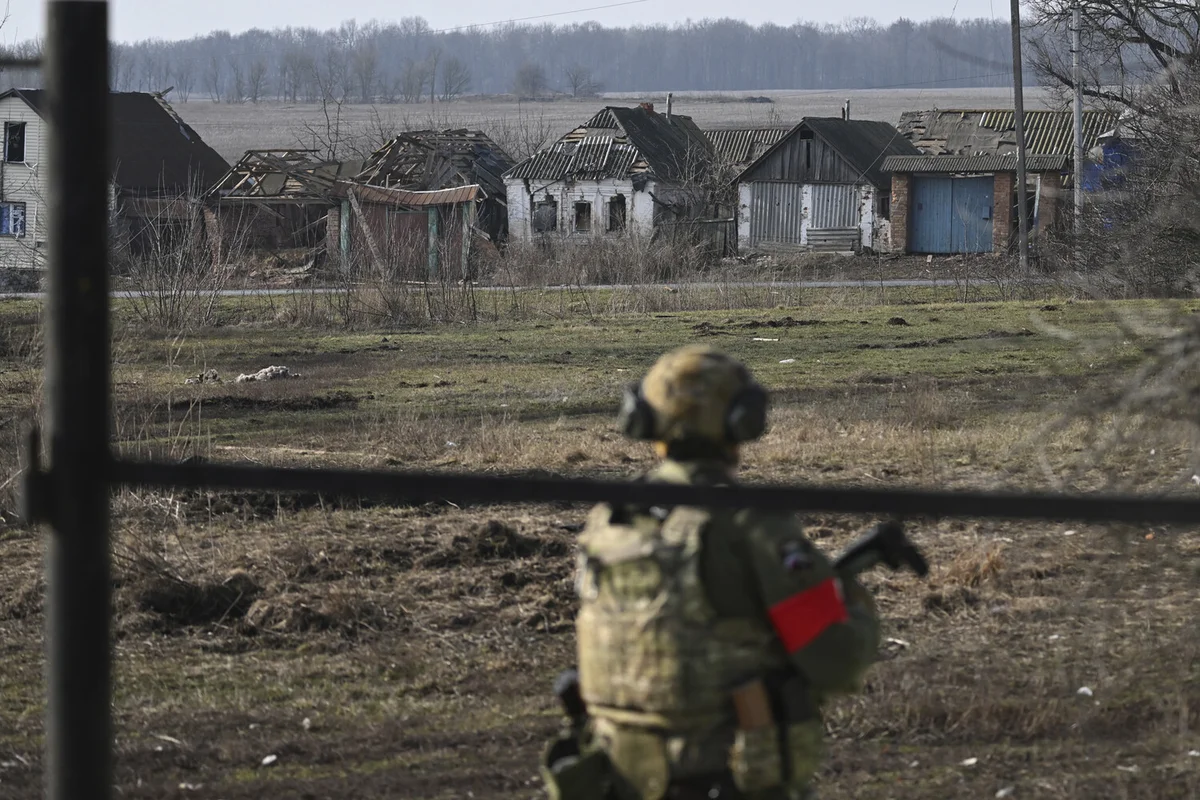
x: 408, y: 61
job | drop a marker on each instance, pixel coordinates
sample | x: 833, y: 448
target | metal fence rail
x: 72, y: 494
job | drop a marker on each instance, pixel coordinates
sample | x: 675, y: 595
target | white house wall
x: 745, y: 193
x: 23, y: 183
x: 522, y: 194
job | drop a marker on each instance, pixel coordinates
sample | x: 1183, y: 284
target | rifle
x: 566, y: 686
x: 886, y: 544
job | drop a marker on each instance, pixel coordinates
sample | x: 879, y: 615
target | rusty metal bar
x: 410, y: 487
x: 75, y: 490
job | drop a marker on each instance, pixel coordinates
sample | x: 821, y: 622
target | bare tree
x: 256, y: 80
x: 582, y: 84
x: 237, y: 86
x: 214, y: 78
x: 412, y: 81
x: 366, y: 70
x: 435, y: 55
x: 456, y: 78
x: 1128, y: 45
x: 529, y: 81
x: 185, y: 80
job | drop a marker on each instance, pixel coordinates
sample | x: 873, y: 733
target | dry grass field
x: 233, y: 129
x: 408, y: 651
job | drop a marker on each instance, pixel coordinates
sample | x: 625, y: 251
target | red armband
x: 803, y: 616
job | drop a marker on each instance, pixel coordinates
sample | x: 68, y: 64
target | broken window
x: 545, y: 215
x: 12, y: 219
x: 14, y: 141
x: 616, y: 214
x: 583, y: 217
x: 806, y: 141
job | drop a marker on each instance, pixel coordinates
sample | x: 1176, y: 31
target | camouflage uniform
x: 680, y: 606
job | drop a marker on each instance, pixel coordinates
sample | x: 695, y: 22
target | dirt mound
x: 233, y: 402
x: 346, y: 613
x: 492, y: 541
x: 177, y: 602
x: 786, y: 322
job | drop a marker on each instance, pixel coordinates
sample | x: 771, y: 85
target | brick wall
x: 1002, y: 214
x: 901, y: 190
x: 1050, y: 201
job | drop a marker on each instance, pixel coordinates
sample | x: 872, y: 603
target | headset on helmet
x: 745, y: 419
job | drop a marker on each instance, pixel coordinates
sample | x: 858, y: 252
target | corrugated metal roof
x: 619, y: 142
x: 742, y: 145
x: 970, y: 132
x: 973, y: 164
x: 406, y: 197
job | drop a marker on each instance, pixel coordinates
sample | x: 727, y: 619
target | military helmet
x: 695, y: 392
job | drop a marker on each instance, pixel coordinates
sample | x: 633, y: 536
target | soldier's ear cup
x: 636, y: 418
x: 747, y: 417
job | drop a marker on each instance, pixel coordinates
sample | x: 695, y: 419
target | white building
x: 155, y: 158
x: 624, y: 172
x: 820, y: 187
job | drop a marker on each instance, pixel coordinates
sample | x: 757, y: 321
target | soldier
x: 707, y: 639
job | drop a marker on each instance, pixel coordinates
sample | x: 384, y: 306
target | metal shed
x: 820, y: 187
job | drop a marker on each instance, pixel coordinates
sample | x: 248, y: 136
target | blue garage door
x: 951, y: 215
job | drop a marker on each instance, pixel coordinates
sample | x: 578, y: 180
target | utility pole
x: 74, y: 494
x: 1076, y: 79
x: 1019, y: 109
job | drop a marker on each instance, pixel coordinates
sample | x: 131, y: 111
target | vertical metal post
x: 1019, y: 109
x: 468, y: 222
x: 79, y: 587
x: 1076, y: 79
x: 432, y: 255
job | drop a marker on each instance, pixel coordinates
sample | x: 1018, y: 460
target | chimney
x: 648, y: 106
x: 668, y: 106
x: 846, y: 109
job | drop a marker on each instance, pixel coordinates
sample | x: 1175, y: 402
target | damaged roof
x: 621, y: 142
x: 862, y: 143
x: 413, y: 199
x: 286, y: 175
x: 977, y: 132
x: 429, y: 160
x: 973, y: 164
x: 153, y: 151
x: 743, y: 145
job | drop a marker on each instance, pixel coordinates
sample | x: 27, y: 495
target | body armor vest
x: 652, y: 652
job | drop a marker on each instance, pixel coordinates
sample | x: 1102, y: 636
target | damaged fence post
x: 433, y: 242
x: 75, y: 490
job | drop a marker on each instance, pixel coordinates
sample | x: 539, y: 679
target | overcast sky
x: 181, y: 19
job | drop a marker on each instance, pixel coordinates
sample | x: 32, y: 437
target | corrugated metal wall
x: 776, y: 213
x: 834, y: 205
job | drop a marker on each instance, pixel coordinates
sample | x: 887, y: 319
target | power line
x: 538, y: 16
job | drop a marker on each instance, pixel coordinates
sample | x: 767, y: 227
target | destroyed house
x: 961, y: 195
x: 429, y: 160
x: 820, y: 187
x: 993, y: 132
x: 624, y: 171
x: 277, y: 200
x: 158, y: 163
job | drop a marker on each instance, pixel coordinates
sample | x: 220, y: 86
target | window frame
x: 576, y: 207
x: 11, y: 205
x: 10, y: 125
